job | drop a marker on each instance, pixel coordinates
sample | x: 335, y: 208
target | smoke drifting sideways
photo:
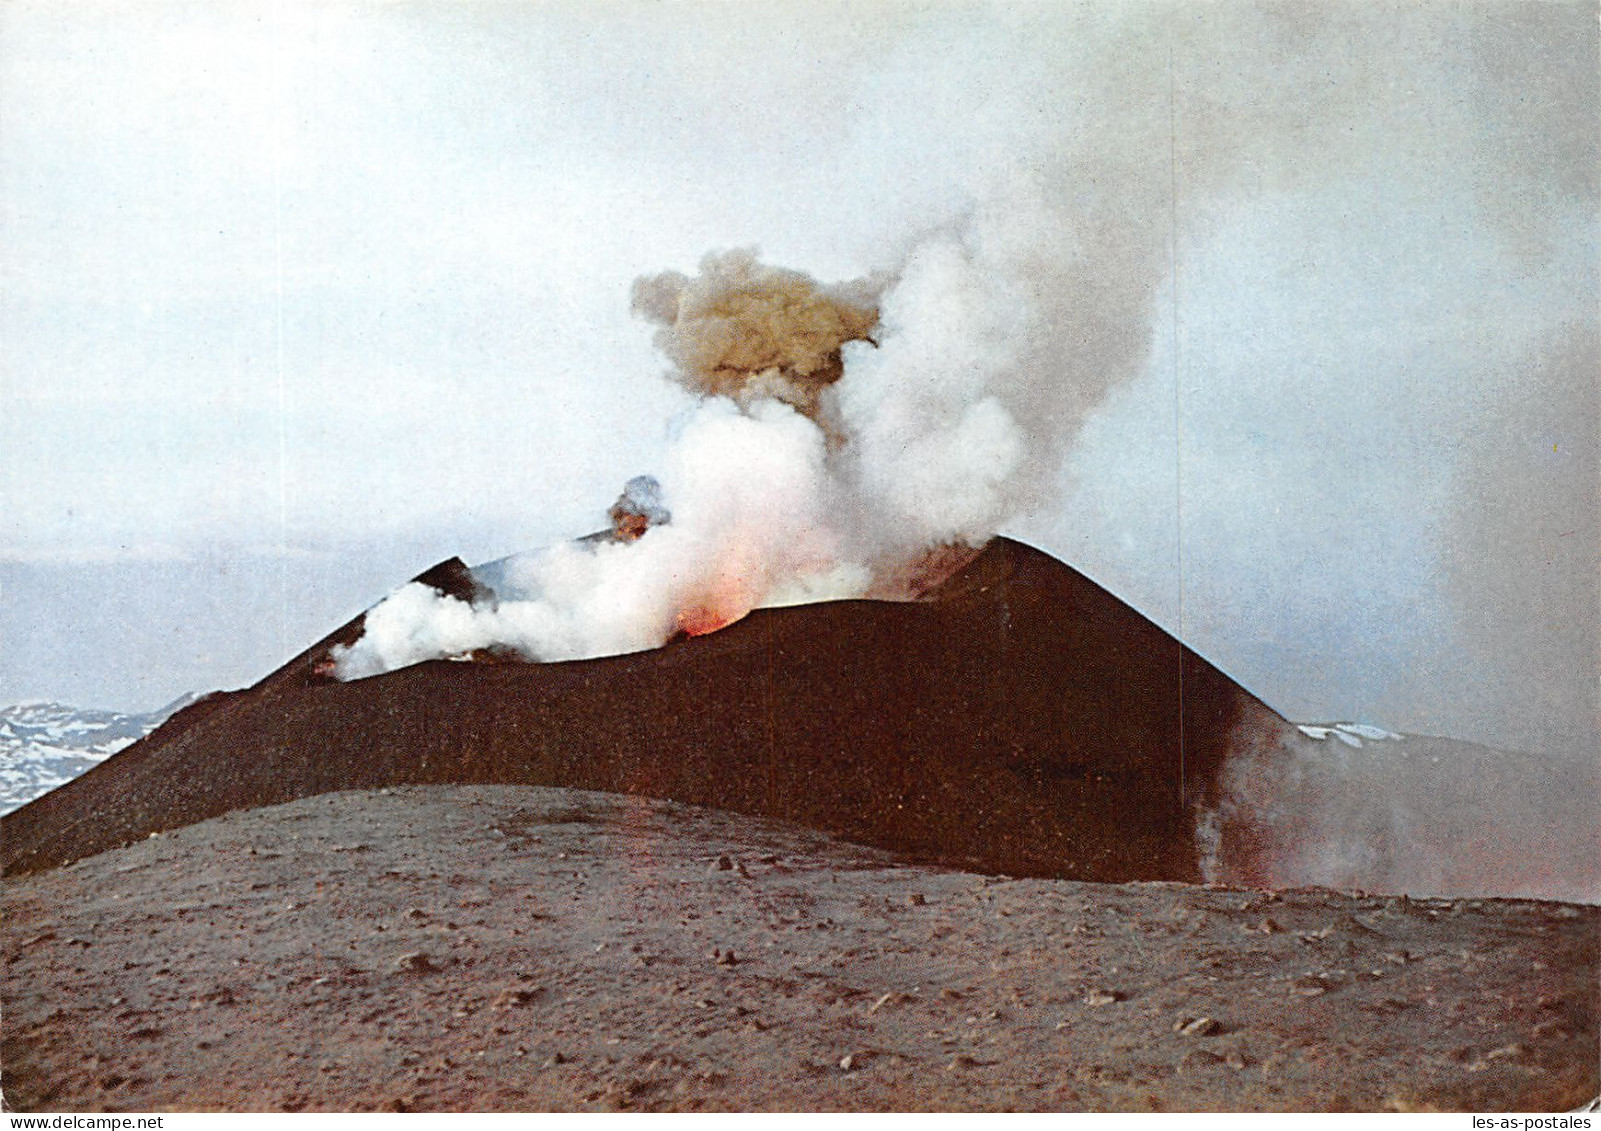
x: 841, y: 435
x: 1354, y: 807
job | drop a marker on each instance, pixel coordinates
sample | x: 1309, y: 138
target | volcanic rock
x: 1019, y: 720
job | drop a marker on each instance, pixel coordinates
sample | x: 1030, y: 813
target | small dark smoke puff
x: 638, y: 508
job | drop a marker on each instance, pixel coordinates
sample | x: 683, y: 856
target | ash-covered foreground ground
x: 493, y: 948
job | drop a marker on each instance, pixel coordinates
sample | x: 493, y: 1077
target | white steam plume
x: 842, y: 433
x: 747, y: 491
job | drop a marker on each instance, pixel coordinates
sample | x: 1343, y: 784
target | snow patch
x: 1351, y: 734
x: 44, y: 744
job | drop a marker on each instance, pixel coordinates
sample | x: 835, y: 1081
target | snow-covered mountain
x: 43, y: 745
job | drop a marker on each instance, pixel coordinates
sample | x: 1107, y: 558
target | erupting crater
x: 1017, y: 719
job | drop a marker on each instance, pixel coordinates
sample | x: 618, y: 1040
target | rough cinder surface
x: 481, y: 948
x: 1021, y: 720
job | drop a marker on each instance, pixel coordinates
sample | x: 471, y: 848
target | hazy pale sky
x: 299, y: 299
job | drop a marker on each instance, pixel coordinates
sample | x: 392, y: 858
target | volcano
x: 1019, y: 719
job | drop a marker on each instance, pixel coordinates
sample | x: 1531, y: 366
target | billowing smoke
x: 747, y: 490
x: 1356, y: 807
x: 844, y: 439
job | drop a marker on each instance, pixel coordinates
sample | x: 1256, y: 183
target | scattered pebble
x: 1102, y: 997
x: 518, y: 997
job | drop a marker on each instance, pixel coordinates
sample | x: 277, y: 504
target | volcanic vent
x: 836, y: 441
x: 1019, y: 720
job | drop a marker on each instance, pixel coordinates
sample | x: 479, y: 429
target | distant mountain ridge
x: 46, y: 744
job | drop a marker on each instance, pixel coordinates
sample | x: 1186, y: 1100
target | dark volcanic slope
x: 498, y: 948
x: 1022, y: 721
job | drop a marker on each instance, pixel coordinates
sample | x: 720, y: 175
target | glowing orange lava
x: 723, y: 598
x: 700, y: 620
